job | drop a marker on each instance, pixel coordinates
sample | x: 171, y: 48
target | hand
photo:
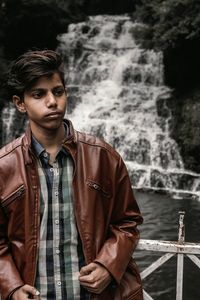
x: 94, y: 277
x: 24, y: 292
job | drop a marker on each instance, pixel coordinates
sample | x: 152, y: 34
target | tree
x: 36, y: 23
x: 172, y: 22
x: 174, y: 28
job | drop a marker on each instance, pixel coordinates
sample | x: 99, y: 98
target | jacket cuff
x: 115, y: 275
x: 11, y: 294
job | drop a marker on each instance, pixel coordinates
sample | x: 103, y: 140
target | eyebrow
x: 44, y: 89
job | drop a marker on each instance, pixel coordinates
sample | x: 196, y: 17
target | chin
x: 54, y: 125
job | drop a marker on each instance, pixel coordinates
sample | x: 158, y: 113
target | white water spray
x: 119, y: 86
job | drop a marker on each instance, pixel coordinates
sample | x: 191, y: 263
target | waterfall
x: 116, y: 91
x: 7, y: 117
x: 12, y: 123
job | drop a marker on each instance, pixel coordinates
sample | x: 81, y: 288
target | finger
x: 93, y: 288
x: 87, y: 278
x: 87, y: 269
x: 96, y: 284
x: 30, y: 290
x: 90, y: 286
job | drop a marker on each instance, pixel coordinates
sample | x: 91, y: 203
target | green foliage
x: 171, y: 22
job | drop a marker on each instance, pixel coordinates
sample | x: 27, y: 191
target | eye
x: 58, y: 92
x: 37, y: 94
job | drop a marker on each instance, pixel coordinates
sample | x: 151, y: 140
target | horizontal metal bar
x: 195, y: 259
x: 159, y: 262
x: 169, y: 246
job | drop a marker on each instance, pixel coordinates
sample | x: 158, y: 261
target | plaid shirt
x: 60, y: 254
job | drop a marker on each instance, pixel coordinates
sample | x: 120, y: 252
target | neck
x: 51, y: 140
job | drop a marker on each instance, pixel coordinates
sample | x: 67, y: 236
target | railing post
x: 180, y: 258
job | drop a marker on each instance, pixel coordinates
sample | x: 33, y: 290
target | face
x: 44, y: 103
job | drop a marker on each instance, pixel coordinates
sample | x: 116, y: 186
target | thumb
x: 31, y: 290
x: 87, y: 269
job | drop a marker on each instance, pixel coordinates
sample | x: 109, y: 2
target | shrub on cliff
x: 172, y: 22
x: 174, y: 28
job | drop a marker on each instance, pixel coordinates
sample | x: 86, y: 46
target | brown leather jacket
x: 105, y: 210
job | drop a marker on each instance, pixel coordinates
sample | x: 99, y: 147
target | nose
x: 51, y: 100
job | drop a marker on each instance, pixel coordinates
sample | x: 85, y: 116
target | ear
x: 19, y: 103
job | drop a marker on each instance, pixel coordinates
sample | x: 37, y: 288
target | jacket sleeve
x: 9, y: 275
x: 123, y: 234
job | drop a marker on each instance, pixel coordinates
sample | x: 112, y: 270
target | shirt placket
x: 56, y: 229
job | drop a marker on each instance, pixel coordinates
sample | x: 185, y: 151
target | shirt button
x: 57, y: 251
x: 56, y: 193
x: 45, y: 154
x: 59, y: 283
x: 56, y: 222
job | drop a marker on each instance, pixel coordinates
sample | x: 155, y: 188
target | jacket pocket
x: 98, y: 187
x: 5, y: 201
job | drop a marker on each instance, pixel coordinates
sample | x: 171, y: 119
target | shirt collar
x: 39, y: 149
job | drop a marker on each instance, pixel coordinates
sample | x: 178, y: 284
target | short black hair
x: 30, y: 66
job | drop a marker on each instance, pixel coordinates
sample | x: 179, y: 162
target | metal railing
x: 179, y: 248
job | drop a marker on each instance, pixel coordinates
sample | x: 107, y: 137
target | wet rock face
x: 185, y: 127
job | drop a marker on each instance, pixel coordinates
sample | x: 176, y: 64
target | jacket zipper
x: 38, y: 236
x: 9, y: 199
x: 97, y: 187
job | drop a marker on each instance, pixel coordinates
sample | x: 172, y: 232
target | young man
x: 68, y: 217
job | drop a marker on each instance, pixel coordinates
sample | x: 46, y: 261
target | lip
x: 54, y: 114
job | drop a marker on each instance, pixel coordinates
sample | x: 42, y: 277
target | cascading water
x: 12, y: 123
x: 116, y: 89
x: 7, y: 117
